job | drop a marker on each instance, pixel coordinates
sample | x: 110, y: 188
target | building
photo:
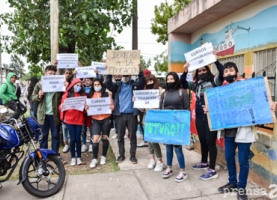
x: 244, y: 32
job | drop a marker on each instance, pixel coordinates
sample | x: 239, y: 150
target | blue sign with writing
x: 168, y: 127
x: 242, y: 103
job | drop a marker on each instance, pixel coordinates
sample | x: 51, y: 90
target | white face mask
x: 97, y: 89
x: 125, y: 79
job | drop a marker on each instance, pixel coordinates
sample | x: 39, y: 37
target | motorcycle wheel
x: 44, y: 185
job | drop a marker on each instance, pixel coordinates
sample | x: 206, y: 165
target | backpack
x: 1, y: 102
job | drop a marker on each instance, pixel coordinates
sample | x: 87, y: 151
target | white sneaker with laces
x: 66, y: 148
x: 142, y: 144
x: 114, y: 136
x: 93, y: 163
x: 181, y: 177
x: 84, y: 148
x: 73, y: 162
x: 90, y: 148
x: 103, y: 160
x: 151, y: 164
x: 159, y: 166
x: 79, y: 161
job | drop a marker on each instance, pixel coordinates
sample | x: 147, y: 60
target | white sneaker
x: 66, y: 148
x: 84, y: 148
x: 93, y: 163
x: 90, y: 148
x: 159, y: 166
x: 73, y: 162
x: 114, y: 136
x: 142, y: 144
x: 151, y: 164
x: 79, y: 161
x: 103, y: 160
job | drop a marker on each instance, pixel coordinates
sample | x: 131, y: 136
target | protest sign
x: 101, y: 67
x: 67, y: 61
x: 167, y: 126
x: 85, y: 72
x: 243, y: 103
x: 99, y: 106
x: 53, y: 83
x: 123, y: 62
x: 146, y: 98
x: 200, y: 56
x: 74, y: 103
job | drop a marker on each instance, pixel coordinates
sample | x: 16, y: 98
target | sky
x: 147, y: 43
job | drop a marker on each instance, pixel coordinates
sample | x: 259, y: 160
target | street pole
x: 54, y: 29
x: 1, y: 70
x: 135, y: 26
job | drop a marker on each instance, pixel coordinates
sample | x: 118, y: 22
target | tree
x: 161, y: 63
x: 35, y: 71
x: 145, y: 64
x: 85, y: 27
x: 16, y: 65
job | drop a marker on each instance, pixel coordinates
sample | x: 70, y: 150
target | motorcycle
x: 42, y: 172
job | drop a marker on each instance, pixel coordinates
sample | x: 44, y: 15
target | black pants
x: 141, y: 114
x: 12, y: 104
x: 207, y: 140
x: 130, y: 122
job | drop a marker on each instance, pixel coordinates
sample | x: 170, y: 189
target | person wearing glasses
x: 203, y: 80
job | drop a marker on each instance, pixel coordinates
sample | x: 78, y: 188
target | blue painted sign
x: 242, y: 103
x: 168, y: 127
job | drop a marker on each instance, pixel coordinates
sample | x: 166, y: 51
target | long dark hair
x: 177, y: 81
x: 103, y: 90
x: 210, y: 75
x: 153, y: 78
x: 71, y: 91
x: 31, y: 87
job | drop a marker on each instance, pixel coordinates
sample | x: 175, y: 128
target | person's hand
x: 65, y: 83
x: 186, y: 67
x: 205, y: 109
x: 40, y: 94
x: 111, y: 107
x: 274, y: 106
x: 55, y: 63
x: 86, y: 106
x: 215, y: 52
x: 133, y: 98
x: 79, y: 64
x: 96, y: 71
x: 74, y: 72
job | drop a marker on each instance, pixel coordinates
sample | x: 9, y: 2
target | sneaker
x: 210, y: 174
x: 181, y: 177
x: 73, y: 162
x: 151, y: 164
x: 90, y: 148
x: 168, y: 172
x: 133, y: 160
x: 114, y: 136
x: 66, y: 148
x: 242, y: 194
x: 159, y: 166
x: 79, y: 161
x: 120, y: 159
x: 142, y: 144
x: 93, y: 163
x: 227, y: 188
x: 200, y: 166
x: 103, y: 160
x: 84, y: 148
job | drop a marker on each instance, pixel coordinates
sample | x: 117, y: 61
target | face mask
x: 150, y: 86
x: 117, y: 80
x: 77, y: 88
x: 230, y: 78
x: 203, y: 76
x: 97, y: 89
x: 87, y: 89
x: 125, y: 79
x: 171, y: 85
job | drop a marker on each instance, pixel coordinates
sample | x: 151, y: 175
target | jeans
x: 84, y: 134
x: 179, y: 153
x: 130, y: 122
x: 155, y: 148
x: 13, y: 105
x: 243, y: 157
x: 65, y: 133
x: 207, y: 141
x: 49, y: 123
x: 75, y: 139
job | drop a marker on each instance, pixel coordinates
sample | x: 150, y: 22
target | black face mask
x: 203, y: 76
x: 150, y: 86
x: 171, y: 85
x: 230, y: 78
x: 117, y: 80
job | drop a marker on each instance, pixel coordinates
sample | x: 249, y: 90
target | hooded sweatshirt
x: 8, y: 90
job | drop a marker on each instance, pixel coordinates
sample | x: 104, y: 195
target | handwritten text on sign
x: 146, y: 98
x: 53, y: 83
x: 200, y: 56
x: 67, y: 61
x: 123, y: 62
x: 74, y: 103
x: 239, y: 104
x: 101, y: 67
x: 168, y: 127
x: 85, y: 72
x: 99, y: 106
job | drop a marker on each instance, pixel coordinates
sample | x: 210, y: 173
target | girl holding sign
x: 74, y: 120
x: 101, y: 124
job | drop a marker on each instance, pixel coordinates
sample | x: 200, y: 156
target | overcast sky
x: 146, y: 40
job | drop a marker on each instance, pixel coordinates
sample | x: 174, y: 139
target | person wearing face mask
x: 203, y: 80
x: 174, y: 98
x: 101, y: 124
x: 124, y: 112
x: 74, y: 120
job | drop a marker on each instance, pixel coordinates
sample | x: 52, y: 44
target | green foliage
x: 145, y: 64
x: 35, y: 71
x: 85, y: 27
x: 161, y: 64
x: 16, y: 65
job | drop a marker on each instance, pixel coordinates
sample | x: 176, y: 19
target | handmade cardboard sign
x: 146, y: 98
x: 85, y: 72
x: 54, y: 83
x: 123, y: 62
x: 101, y: 67
x: 74, y: 103
x: 200, y: 57
x: 67, y: 61
x: 167, y: 127
x: 243, y: 103
x: 98, y: 106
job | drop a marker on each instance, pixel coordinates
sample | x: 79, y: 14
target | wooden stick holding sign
x: 123, y: 62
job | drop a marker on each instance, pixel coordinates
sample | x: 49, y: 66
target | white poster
x: 101, y: 67
x: 99, y: 106
x: 67, y: 61
x: 200, y: 56
x: 146, y: 98
x: 85, y: 72
x: 54, y: 83
x: 74, y: 103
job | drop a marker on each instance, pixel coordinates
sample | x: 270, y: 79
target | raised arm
x: 141, y: 80
x: 183, y: 79
x: 109, y: 84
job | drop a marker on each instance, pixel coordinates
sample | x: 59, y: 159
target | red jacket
x: 74, y: 117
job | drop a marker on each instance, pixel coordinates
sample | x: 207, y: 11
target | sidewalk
x: 134, y: 182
